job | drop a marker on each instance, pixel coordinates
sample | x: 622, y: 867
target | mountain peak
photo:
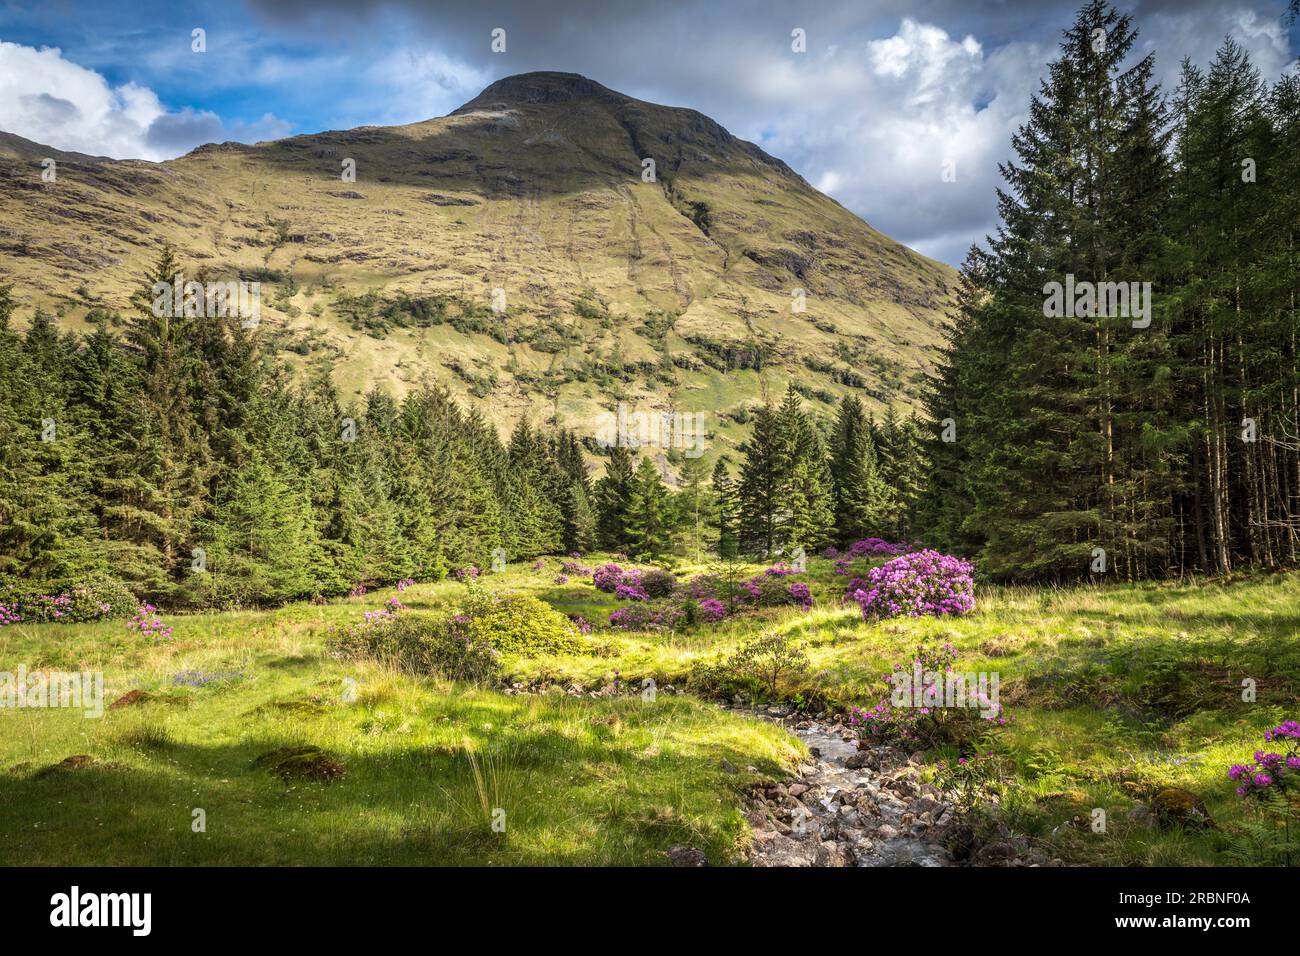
x: 543, y: 86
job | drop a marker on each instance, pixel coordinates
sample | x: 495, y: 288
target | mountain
x: 675, y: 293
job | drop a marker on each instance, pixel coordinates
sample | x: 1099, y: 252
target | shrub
x: 772, y: 590
x: 1278, y: 771
x: 917, y: 713
x: 1271, y: 782
x: 913, y: 585
x: 148, y: 624
x: 970, y: 782
x: 607, y: 578
x: 517, y: 623
x: 630, y: 592
x: 98, y: 598
x: 800, y: 594
x: 761, y: 666
x: 658, y: 583
x: 418, y: 644
x: 876, y: 547
x: 639, y: 617
x: 712, y: 611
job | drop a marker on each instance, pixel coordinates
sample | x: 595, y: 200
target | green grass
x: 581, y: 781
x: 1114, y: 692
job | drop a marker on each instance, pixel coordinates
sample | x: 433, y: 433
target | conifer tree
x: 648, y: 519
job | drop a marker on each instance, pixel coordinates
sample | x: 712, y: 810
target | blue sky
x: 885, y: 93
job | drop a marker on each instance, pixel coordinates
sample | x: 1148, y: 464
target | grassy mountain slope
x: 668, y: 294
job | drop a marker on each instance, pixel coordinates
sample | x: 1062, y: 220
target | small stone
x: 1140, y: 814
x: 686, y: 856
x: 832, y: 854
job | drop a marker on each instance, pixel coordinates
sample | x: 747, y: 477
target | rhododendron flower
x: 918, y: 584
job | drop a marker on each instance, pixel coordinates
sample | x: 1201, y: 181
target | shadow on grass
x: 617, y: 796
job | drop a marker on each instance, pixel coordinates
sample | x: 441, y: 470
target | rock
x: 1174, y: 806
x: 1141, y: 815
x: 797, y: 789
x: 728, y: 766
x: 686, y: 856
x: 832, y: 854
x: 925, y: 804
x: 859, y: 760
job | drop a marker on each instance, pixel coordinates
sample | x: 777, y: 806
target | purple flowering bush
x: 712, y: 610
x: 467, y: 573
x: 866, y: 550
x: 607, y: 577
x: 918, y: 722
x: 877, y: 548
x: 668, y: 614
x: 800, y: 595
x: 1271, y: 782
x: 631, y: 592
x: 1270, y: 771
x: 97, y: 599
x: 917, y: 584
x: 772, y: 590
x: 704, y: 599
x: 148, y: 623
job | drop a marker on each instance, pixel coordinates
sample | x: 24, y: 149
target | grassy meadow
x: 1113, y: 693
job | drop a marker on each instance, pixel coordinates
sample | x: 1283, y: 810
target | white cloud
x: 49, y: 99
x: 875, y: 124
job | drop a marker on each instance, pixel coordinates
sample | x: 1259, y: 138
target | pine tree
x: 691, y: 507
x: 861, y: 498
x: 647, y: 513
x: 727, y: 542
x: 613, y: 492
x: 759, y: 492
